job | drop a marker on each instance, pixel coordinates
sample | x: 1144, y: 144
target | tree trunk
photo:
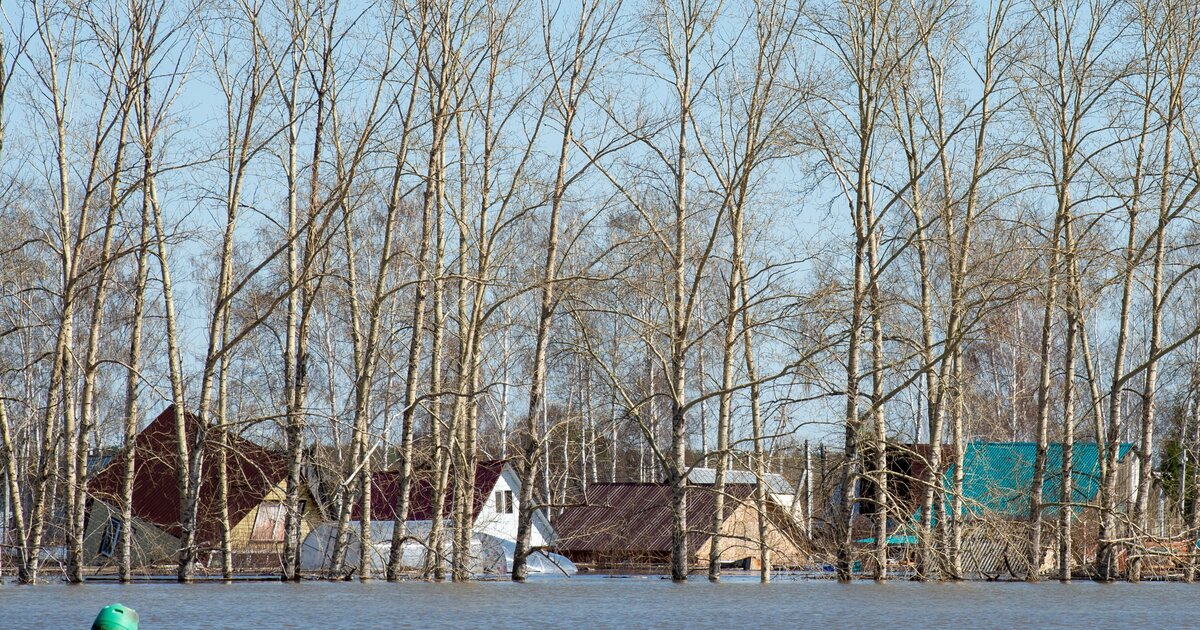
x: 1043, y: 413
x: 724, y: 410
x: 1067, y: 486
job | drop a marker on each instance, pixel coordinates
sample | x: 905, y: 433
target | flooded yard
x: 605, y: 602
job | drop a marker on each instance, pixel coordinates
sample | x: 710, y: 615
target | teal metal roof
x: 911, y: 541
x: 998, y: 476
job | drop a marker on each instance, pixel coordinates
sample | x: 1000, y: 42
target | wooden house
x: 256, y: 502
x: 630, y: 524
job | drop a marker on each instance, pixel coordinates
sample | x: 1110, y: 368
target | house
x: 256, y: 497
x: 631, y: 524
x: 497, y: 491
x: 779, y: 488
x: 998, y: 476
x: 997, y: 483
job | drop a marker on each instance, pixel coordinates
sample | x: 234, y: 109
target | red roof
x: 252, y: 472
x: 636, y: 517
x: 385, y: 490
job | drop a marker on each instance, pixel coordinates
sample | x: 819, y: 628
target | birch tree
x: 573, y: 66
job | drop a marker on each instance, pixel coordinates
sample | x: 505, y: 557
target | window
x: 504, y: 502
x: 112, y: 534
x: 268, y: 523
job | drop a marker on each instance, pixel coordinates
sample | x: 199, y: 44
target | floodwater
x: 603, y: 602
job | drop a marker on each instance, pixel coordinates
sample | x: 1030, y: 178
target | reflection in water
x: 593, y: 601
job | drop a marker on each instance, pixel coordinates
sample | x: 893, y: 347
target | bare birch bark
x: 755, y: 128
x: 300, y: 25
x: 134, y: 367
x: 13, y: 512
x: 243, y: 97
x: 1043, y: 413
x: 1066, y: 494
x: 346, y: 487
x: 1193, y: 491
x: 417, y: 336
x: 117, y: 96
x: 188, y: 455
x: 879, y: 472
x: 858, y: 36
x: 14, y: 493
x: 485, y: 201
x: 692, y: 26
x: 221, y: 464
x: 465, y: 288
x: 1071, y: 92
x: 729, y: 340
x: 58, y: 392
x: 1070, y: 83
x: 1150, y: 386
x: 434, y: 557
x: 934, y: 407
x: 756, y: 432
x: 91, y: 361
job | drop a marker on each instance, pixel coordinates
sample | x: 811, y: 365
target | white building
x: 496, y: 502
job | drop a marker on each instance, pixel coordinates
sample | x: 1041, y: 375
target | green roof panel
x: 998, y: 476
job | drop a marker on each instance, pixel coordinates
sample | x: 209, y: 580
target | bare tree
x: 572, y: 72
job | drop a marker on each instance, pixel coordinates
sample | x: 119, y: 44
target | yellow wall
x: 740, y: 539
x: 239, y: 535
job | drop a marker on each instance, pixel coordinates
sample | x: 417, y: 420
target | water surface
x: 599, y: 602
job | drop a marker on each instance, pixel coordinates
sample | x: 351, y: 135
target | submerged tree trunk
x: 1043, y: 414
x: 1150, y: 387
x: 188, y: 457
x: 435, y: 565
x: 756, y: 428
x: 591, y: 34
x: 1066, y: 486
x: 14, y: 494
x: 415, y: 341
x: 879, y: 473
x: 724, y: 411
x: 1193, y: 491
x: 91, y: 363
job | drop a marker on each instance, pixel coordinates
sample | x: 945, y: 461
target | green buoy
x: 116, y: 617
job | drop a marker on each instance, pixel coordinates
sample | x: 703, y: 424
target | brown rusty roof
x: 385, y: 488
x: 253, y: 472
x: 636, y: 517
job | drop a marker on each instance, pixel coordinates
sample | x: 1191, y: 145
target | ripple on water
x: 599, y: 602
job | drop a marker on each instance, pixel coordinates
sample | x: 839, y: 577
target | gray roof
x: 775, y: 482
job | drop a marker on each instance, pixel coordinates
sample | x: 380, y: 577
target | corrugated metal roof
x: 774, y: 481
x: 636, y: 517
x: 252, y: 472
x: 998, y: 476
x: 385, y: 490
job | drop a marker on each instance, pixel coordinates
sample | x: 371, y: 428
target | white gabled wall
x: 504, y: 524
x: 491, y: 520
